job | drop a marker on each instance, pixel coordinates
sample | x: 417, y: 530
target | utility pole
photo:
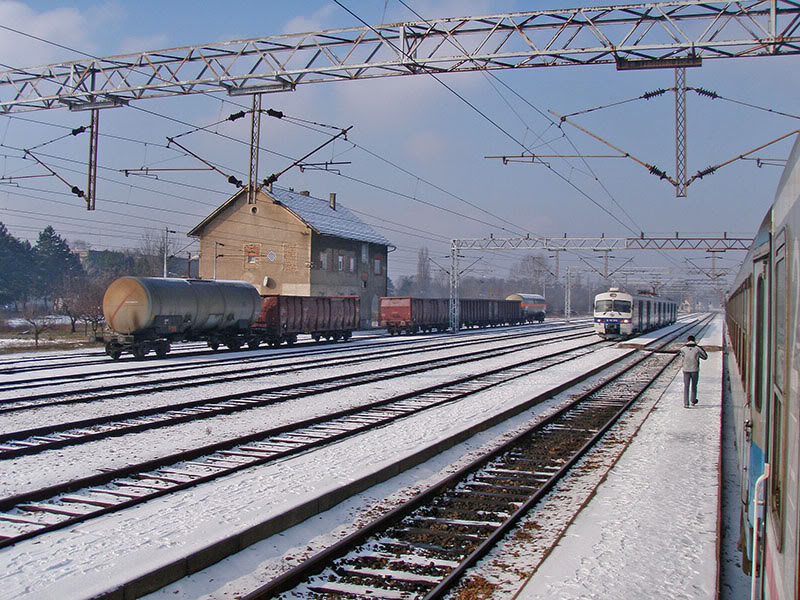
x: 680, y: 132
x: 167, y: 231
x: 216, y: 256
x: 568, y: 295
x: 455, y: 306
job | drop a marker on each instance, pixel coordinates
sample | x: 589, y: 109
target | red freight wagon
x: 411, y: 315
x: 414, y: 314
x: 282, y: 318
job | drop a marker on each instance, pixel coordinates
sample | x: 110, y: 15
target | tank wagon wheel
x: 347, y: 335
x: 141, y: 350
x: 113, y: 351
x: 162, y: 349
x: 214, y: 346
x: 337, y: 336
x: 315, y: 337
x: 254, y: 343
x: 234, y: 344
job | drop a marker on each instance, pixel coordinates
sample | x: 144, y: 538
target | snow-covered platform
x: 651, y: 530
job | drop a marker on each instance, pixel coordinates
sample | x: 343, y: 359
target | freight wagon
x: 150, y: 313
x: 534, y: 306
x: 282, y: 318
x: 412, y: 315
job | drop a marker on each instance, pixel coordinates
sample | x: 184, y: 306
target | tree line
x: 48, y: 278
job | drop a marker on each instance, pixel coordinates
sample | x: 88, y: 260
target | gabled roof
x: 315, y: 213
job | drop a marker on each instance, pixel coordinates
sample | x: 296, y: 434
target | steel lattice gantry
x: 667, y: 34
x: 597, y: 244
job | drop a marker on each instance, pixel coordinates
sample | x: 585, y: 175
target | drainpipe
x: 759, y: 503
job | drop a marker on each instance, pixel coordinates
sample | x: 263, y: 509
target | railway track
x: 422, y: 548
x: 110, y: 391
x: 31, y: 514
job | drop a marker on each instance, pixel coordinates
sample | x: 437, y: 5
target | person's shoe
x: 685, y: 406
x: 694, y: 402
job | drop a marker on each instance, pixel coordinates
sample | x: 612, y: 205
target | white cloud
x: 65, y: 26
x: 314, y: 22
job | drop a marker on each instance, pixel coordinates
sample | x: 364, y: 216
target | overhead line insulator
x: 653, y: 94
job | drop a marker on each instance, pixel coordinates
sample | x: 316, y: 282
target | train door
x: 757, y: 432
x: 641, y: 316
x: 777, y: 421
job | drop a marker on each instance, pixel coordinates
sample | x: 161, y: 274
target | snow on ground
x: 94, y: 556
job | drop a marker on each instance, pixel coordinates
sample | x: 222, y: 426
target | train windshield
x: 620, y: 306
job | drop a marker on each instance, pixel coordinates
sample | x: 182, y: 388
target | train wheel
x: 114, y: 354
x: 347, y: 335
x: 254, y: 343
x: 234, y: 344
x: 315, y: 337
x: 214, y: 346
x: 141, y: 350
x: 162, y: 349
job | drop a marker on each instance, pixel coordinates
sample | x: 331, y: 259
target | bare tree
x: 39, y: 323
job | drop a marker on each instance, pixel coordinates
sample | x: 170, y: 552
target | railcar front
x: 613, y: 314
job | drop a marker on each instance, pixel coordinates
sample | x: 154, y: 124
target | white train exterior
x: 763, y: 360
x: 619, y: 314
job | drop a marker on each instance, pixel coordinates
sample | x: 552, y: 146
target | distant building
x: 291, y: 243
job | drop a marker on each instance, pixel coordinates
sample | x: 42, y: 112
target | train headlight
x: 626, y: 320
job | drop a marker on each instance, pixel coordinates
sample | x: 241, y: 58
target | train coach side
x: 763, y: 336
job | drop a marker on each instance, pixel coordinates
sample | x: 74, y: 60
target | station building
x: 292, y: 243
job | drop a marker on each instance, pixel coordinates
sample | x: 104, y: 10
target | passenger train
x: 619, y: 314
x: 763, y: 359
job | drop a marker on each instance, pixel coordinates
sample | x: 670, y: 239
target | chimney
x: 305, y: 193
x: 333, y: 200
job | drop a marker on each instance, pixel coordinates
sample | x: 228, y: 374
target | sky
x: 416, y: 167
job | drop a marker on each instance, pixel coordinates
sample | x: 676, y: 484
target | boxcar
x: 282, y: 318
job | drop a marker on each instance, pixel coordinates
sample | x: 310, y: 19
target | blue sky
x: 416, y: 132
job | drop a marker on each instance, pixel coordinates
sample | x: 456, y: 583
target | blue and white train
x: 619, y: 314
x: 763, y: 358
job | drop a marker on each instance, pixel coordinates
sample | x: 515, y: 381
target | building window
x: 323, y: 260
x: 252, y: 252
x: 352, y: 264
x: 378, y: 266
x: 365, y: 253
x: 340, y: 262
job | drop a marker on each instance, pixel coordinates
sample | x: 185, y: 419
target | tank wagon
x: 412, y: 315
x: 619, y: 314
x: 534, y: 306
x: 763, y: 359
x: 149, y: 313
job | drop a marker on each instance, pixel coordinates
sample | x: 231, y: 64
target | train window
x: 622, y: 306
x: 603, y: 306
x: 780, y: 324
x: 760, y: 354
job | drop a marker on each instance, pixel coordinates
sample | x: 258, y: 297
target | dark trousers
x: 690, y: 380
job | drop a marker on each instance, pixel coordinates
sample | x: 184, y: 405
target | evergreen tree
x: 16, y: 267
x: 56, y: 266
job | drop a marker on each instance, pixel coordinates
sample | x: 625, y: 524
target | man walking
x: 692, y: 354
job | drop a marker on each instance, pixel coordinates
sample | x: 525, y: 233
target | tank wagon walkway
x: 652, y: 528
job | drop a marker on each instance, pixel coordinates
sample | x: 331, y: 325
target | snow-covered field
x: 98, y: 555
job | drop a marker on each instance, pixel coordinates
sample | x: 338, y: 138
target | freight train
x: 147, y: 314
x: 763, y: 360
x: 412, y: 315
x: 534, y: 306
x: 619, y: 314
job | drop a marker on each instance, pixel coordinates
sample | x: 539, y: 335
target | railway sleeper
x: 421, y: 551
x: 507, y: 497
x: 337, y: 590
x: 459, y: 521
x: 426, y: 569
x: 460, y: 513
x: 424, y: 532
x: 411, y: 560
x: 89, y: 501
x: 397, y: 579
x: 49, y: 508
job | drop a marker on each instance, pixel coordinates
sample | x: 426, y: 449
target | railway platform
x: 654, y: 528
